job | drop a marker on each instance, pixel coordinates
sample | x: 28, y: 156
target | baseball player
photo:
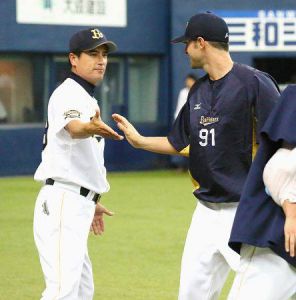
x: 216, y: 125
x: 72, y: 170
x: 264, y: 229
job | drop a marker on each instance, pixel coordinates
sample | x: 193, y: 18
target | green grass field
x: 138, y: 257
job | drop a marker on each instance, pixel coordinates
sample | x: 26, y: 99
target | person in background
x: 183, y: 94
x: 3, y: 113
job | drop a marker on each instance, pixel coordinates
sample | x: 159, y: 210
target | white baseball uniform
x: 263, y: 275
x: 74, y: 172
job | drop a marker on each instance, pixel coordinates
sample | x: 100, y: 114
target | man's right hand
x: 97, y: 126
x: 80, y: 130
x: 130, y: 132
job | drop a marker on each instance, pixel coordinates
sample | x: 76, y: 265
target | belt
x: 83, y: 191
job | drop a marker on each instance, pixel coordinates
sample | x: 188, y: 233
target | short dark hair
x: 77, y: 53
x: 220, y: 45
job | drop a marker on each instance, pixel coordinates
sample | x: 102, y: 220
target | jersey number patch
x: 207, y: 137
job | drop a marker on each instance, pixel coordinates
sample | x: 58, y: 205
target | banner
x: 262, y: 30
x: 72, y: 12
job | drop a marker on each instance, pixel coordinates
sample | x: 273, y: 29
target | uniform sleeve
x: 65, y: 108
x: 281, y: 123
x: 267, y: 95
x: 179, y: 136
x: 279, y: 176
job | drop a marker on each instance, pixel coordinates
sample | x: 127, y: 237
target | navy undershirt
x: 89, y: 87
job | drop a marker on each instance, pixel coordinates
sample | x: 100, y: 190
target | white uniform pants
x: 263, y: 275
x: 207, y: 259
x: 62, y: 221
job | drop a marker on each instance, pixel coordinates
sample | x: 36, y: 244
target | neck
x: 218, y: 65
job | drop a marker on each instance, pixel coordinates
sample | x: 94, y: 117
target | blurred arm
x: 80, y: 130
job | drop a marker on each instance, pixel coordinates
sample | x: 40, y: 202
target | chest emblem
x: 197, y: 106
x: 208, y: 120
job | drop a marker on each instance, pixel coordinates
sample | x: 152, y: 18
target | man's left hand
x: 97, y: 225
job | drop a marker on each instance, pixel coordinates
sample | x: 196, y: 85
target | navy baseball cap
x: 89, y: 39
x: 206, y: 25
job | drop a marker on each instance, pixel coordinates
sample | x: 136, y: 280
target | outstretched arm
x: 79, y: 130
x: 152, y: 144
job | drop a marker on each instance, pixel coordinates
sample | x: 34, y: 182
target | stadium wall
x: 150, y: 27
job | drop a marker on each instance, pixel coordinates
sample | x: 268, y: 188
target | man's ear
x: 72, y: 59
x: 200, y: 42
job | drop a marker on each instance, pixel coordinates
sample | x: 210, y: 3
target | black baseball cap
x: 206, y: 25
x: 90, y: 39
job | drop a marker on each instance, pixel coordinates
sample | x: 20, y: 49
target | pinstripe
x: 59, y: 248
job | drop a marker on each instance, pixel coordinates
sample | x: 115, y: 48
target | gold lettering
x: 97, y: 34
x: 208, y: 120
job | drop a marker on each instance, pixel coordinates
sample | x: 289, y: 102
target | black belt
x: 83, y: 191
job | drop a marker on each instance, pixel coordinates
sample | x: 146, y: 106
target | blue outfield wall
x: 151, y: 26
x: 147, y: 33
x: 20, y: 152
x: 120, y: 156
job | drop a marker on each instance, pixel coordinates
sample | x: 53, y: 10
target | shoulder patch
x: 71, y: 114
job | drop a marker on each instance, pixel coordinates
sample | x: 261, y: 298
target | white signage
x: 262, y: 30
x: 72, y: 12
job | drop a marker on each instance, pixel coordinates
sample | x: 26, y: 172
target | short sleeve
x: 281, y: 123
x: 179, y: 136
x: 267, y: 95
x: 65, y: 107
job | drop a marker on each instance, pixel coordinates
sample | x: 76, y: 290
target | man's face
x: 90, y: 65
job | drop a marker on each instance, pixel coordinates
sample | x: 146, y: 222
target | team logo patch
x: 71, y: 114
x: 208, y: 120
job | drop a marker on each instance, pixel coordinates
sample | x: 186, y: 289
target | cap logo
x: 97, y: 34
x: 227, y: 35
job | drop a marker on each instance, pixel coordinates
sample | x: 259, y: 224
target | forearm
x: 80, y: 130
x: 289, y: 209
x: 156, y: 144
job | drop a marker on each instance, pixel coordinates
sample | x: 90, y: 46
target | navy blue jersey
x: 259, y: 221
x: 217, y: 124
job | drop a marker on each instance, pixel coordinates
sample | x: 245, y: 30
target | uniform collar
x: 89, y: 87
